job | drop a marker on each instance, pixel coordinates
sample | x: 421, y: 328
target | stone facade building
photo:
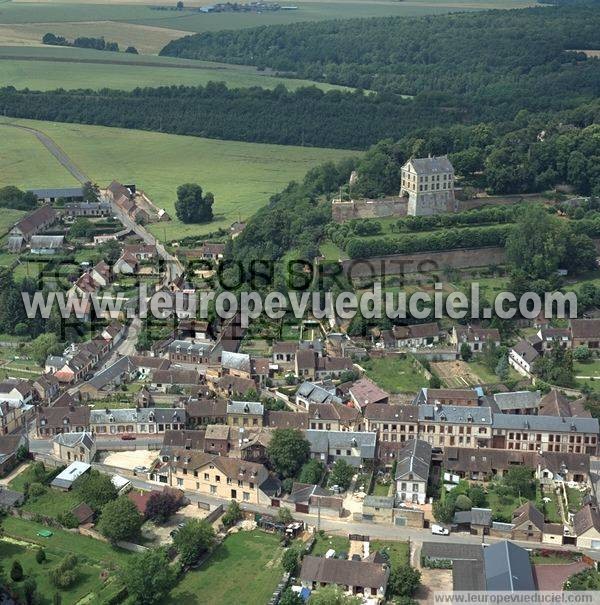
x: 428, y: 183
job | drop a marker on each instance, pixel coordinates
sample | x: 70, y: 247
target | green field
x: 395, y: 374
x: 51, y: 67
x: 241, y: 175
x: 245, y: 569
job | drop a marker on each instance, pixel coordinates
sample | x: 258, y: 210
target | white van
x: 438, y: 530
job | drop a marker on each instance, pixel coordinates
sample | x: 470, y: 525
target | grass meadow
x: 48, y: 68
x: 242, y: 176
x: 245, y: 569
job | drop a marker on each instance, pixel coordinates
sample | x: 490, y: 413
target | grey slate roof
x: 475, y: 516
x: 72, y: 439
x: 468, y: 575
x: 456, y: 414
x: 111, y: 373
x: 507, y: 567
x: 160, y: 415
x: 414, y: 459
x: 190, y: 348
x: 236, y: 361
x: 315, y: 393
x: 546, y: 423
x: 432, y: 165
x: 379, y: 501
x: 58, y: 192
x: 452, y: 550
x: 47, y: 241
x: 517, y: 400
x: 323, y: 441
x: 10, y: 498
x: 245, y: 407
x: 526, y: 351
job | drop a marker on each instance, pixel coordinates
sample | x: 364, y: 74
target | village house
x: 417, y: 335
x: 522, y: 358
x: 126, y: 264
x: 356, y: 448
x: 76, y: 209
x: 462, y: 426
x: 412, y: 471
x: 46, y: 244
x: 54, y: 420
x: 16, y: 391
x: 181, y: 440
x: 313, y: 499
x: 368, y: 578
x: 364, y: 392
x: 518, y: 402
x: 585, y: 332
x: 163, y: 380
x: 46, y: 387
x: 9, y: 448
x: 392, y: 423
x: 548, y: 336
x: 236, y: 364
x: 333, y: 417
x: 136, y: 420
x: 528, y: 523
x: 310, y: 392
x: 245, y: 413
x: 554, y: 403
x: 232, y: 386
x: 141, y: 252
x: 217, y: 439
x: 70, y: 447
x: 208, y: 251
x: 201, y: 412
x: 546, y: 433
x: 284, y: 353
x: 463, y: 397
x: 586, y: 525
x: 284, y: 419
x: 101, y: 274
x: 13, y: 416
x: 219, y: 476
x: 38, y: 220
x: 476, y: 338
x: 183, y: 351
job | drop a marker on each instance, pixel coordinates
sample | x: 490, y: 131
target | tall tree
x: 288, y: 451
x: 193, y: 540
x: 120, y: 520
x: 149, y: 577
x: 192, y: 206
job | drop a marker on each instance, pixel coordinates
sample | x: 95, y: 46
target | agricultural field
x: 395, y: 374
x: 51, y: 67
x: 256, y: 558
x: 242, y: 176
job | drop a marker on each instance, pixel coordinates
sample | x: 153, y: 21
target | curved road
x: 55, y: 150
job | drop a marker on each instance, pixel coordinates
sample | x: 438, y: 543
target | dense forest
x: 494, y: 57
x: 307, y: 116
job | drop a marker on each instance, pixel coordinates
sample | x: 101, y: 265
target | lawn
x: 84, y: 68
x: 64, y: 542
x: 505, y: 507
x: 242, y: 176
x: 395, y: 374
x: 574, y: 497
x: 380, y: 489
x: 88, y: 585
x: 24, y: 162
x: 327, y: 542
x: 245, y: 569
x: 488, y: 377
x: 399, y: 552
x: 587, y: 368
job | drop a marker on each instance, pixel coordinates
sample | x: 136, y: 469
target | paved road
x: 55, y: 150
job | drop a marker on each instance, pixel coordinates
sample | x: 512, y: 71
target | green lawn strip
x: 245, y: 569
x: 65, y: 542
x: 327, y: 542
x: 395, y: 374
x: 379, y: 489
x: 399, y: 552
x: 550, y: 560
x: 504, y: 508
x: 574, y: 497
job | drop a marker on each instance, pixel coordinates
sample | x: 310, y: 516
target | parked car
x: 438, y: 530
x: 127, y: 437
x: 140, y: 469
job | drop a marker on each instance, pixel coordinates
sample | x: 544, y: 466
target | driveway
x: 552, y: 577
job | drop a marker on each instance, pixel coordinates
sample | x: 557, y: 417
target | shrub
x: 68, y: 520
x: 16, y: 572
x: 463, y: 502
x: 40, y: 555
x: 36, y: 490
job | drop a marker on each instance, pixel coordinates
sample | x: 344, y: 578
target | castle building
x: 429, y: 185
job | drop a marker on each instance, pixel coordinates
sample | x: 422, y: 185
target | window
x: 180, y: 481
x: 213, y: 489
x: 246, y: 496
x: 206, y: 477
